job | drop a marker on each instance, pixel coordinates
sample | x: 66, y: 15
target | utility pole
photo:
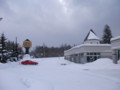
x: 16, y: 49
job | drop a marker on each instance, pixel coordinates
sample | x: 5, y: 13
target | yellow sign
x: 27, y: 44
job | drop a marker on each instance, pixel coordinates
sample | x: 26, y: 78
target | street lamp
x: 1, y: 18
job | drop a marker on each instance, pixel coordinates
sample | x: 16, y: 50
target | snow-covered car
x: 29, y: 62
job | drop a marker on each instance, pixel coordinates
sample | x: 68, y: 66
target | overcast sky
x: 56, y: 22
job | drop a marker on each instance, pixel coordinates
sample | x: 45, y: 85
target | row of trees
x: 9, y: 50
x: 44, y: 51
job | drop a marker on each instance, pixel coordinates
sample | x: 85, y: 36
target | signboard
x: 27, y: 44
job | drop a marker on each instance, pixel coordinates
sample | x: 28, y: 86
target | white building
x: 115, y: 44
x: 89, y: 51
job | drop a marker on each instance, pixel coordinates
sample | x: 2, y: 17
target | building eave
x: 89, y: 45
x: 115, y: 38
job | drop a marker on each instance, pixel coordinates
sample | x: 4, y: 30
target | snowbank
x: 26, y: 56
x: 59, y: 74
x: 102, y: 61
x: 118, y: 61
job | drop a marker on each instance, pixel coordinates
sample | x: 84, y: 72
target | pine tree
x: 107, y: 35
x: 3, y: 51
x: 14, y: 50
x: 9, y: 50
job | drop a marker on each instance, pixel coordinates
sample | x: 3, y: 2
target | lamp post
x: 27, y: 44
x: 1, y: 18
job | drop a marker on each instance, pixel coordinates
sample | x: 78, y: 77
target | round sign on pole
x: 27, y: 43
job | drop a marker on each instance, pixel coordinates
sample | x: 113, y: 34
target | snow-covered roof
x: 83, y: 45
x: 115, y: 38
x: 91, y: 35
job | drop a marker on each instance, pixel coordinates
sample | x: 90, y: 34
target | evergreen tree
x: 107, y: 35
x: 9, y: 51
x: 14, y: 50
x: 3, y: 50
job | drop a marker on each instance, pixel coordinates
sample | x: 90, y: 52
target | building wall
x: 115, y: 49
x: 81, y: 54
x: 114, y: 54
x: 77, y: 58
x: 90, y: 48
x: 96, y: 48
x: 115, y: 44
x: 106, y: 55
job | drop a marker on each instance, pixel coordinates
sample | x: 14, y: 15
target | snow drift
x: 60, y: 74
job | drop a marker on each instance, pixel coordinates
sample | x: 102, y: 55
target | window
x: 88, y: 53
x: 95, y: 53
x: 81, y: 54
x: 91, y: 53
x: 92, y: 56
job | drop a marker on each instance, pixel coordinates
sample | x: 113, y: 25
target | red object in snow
x: 29, y: 62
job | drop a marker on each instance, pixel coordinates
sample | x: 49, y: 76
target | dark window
x: 91, y: 53
x: 92, y: 56
x: 94, y: 53
x: 88, y: 53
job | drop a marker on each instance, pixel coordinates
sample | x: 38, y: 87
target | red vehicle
x: 29, y: 62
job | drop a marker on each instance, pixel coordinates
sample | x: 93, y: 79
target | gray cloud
x: 55, y: 22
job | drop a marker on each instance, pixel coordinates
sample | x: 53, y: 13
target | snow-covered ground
x: 59, y: 74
